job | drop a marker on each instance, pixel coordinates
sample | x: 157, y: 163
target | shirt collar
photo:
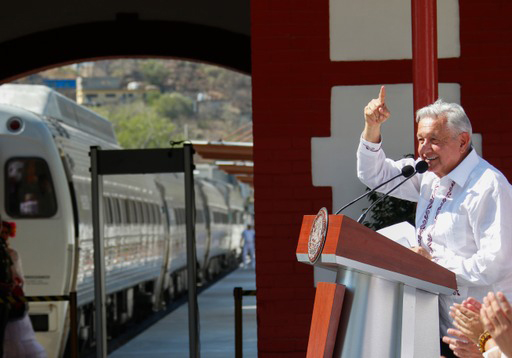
x: 461, y: 173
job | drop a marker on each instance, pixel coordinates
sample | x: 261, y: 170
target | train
x: 45, y: 140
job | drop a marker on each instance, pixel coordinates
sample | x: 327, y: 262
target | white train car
x: 44, y: 145
x: 239, y: 218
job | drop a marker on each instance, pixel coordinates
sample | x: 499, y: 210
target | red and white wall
x: 315, y: 64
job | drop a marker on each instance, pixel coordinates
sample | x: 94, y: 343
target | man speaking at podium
x: 464, y: 204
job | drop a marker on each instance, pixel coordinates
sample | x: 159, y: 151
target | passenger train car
x: 45, y: 140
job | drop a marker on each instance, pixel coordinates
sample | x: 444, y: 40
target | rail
x: 72, y: 314
x: 238, y: 294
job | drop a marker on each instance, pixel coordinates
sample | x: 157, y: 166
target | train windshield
x: 29, y: 189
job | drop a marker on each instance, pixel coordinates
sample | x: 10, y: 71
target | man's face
x: 440, y: 146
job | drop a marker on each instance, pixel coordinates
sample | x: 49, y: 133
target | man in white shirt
x: 464, y: 211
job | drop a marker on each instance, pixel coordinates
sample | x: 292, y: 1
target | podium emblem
x: 317, y: 235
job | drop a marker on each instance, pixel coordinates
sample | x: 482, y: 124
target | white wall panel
x: 334, y: 158
x: 372, y: 30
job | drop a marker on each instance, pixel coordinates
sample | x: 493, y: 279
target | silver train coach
x: 44, y: 150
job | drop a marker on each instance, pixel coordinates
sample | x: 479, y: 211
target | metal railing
x: 238, y: 293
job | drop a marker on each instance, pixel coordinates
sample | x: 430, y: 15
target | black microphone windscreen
x: 407, y: 171
x: 421, y: 166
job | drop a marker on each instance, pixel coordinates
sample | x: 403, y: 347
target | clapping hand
x: 466, y: 318
x: 461, y: 345
x: 496, y: 315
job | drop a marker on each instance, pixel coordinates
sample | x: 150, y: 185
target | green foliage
x: 174, y: 105
x: 151, y: 97
x: 227, y: 105
x: 139, y: 126
x: 390, y: 211
x: 155, y: 72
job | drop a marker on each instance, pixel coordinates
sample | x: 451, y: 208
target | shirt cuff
x: 372, y: 147
x: 494, y: 352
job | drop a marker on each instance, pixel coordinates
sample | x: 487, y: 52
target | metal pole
x: 99, y: 256
x: 237, y: 292
x: 193, y: 326
x: 73, y: 324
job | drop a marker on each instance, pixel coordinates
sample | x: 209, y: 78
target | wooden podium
x: 384, y: 302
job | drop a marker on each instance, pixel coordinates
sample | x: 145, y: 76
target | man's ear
x: 464, y: 141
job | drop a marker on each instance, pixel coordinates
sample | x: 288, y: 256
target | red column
x: 424, y: 53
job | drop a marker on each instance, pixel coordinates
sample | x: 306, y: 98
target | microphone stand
x: 363, y: 215
x: 369, y: 192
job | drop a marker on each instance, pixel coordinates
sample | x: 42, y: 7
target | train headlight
x: 14, y: 124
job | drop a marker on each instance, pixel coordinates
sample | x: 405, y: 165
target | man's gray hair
x: 455, y: 116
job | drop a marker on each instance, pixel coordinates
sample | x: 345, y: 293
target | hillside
x: 193, y: 101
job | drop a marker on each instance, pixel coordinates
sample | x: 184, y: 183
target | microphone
x: 407, y: 171
x: 421, y: 167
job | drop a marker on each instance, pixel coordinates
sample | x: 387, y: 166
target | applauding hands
x: 496, y: 316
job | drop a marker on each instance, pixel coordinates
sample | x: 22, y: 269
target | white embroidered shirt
x: 463, y: 219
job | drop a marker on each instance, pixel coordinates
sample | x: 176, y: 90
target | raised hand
x: 496, y: 316
x: 375, y: 113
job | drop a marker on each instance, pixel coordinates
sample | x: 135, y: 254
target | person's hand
x: 461, y: 345
x: 375, y: 113
x: 496, y: 316
x: 421, y: 251
x: 472, y: 304
x: 467, y: 321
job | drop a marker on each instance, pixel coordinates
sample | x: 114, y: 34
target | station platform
x: 169, y: 336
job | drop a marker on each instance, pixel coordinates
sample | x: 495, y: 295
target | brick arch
x: 125, y: 37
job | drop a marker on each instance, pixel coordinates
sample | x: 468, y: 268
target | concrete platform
x: 169, y: 336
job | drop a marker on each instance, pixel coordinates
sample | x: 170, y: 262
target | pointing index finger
x: 382, y: 95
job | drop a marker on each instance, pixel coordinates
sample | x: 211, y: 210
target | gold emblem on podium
x: 317, y: 235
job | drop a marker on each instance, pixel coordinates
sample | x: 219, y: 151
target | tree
x: 390, y: 210
x: 138, y: 126
x: 174, y: 105
x: 155, y: 72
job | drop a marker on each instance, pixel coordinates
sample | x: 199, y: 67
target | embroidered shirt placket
x: 427, y: 214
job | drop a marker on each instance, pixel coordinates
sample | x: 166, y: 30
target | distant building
x: 99, y: 91
x: 207, y: 102
x: 64, y: 86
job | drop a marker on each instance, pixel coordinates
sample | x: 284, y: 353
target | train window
x: 108, y: 210
x: 29, y: 191
x: 138, y: 208
x: 132, y: 211
x: 151, y: 213
x: 180, y: 216
x: 118, y: 209
x: 127, y: 216
x: 158, y: 218
x: 199, y: 216
x: 145, y: 213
